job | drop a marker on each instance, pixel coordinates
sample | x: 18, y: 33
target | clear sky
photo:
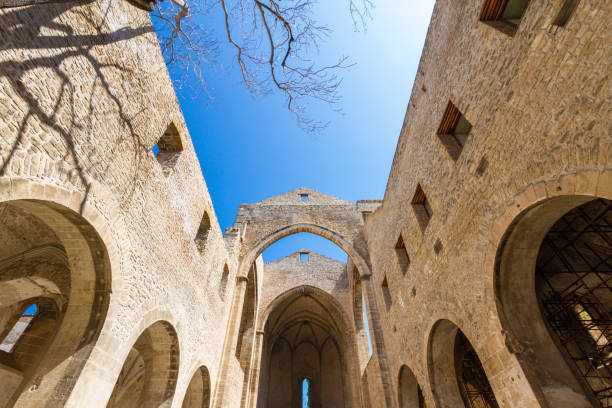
x: 251, y: 149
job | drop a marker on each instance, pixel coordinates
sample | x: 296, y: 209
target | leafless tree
x: 274, y: 41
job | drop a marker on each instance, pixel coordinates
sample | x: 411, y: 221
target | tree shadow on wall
x: 35, y: 38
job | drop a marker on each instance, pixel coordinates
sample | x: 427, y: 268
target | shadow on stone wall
x: 21, y: 33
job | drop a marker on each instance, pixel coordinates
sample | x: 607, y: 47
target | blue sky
x: 251, y: 149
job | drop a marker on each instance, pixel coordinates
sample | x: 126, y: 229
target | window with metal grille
x: 421, y: 207
x: 453, y: 131
x: 573, y: 273
x: 401, y: 255
x: 503, y: 15
x: 476, y: 391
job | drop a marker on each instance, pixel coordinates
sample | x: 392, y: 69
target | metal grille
x: 475, y: 387
x: 574, y: 271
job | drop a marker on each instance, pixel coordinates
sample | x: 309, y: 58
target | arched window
x: 306, y: 393
x: 19, y: 328
x: 367, y: 325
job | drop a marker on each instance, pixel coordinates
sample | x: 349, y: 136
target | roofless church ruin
x: 482, y: 279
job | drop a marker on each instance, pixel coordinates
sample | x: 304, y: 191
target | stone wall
x: 539, y: 105
x: 84, y: 97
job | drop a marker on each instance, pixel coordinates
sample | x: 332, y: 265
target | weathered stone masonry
x: 488, y: 215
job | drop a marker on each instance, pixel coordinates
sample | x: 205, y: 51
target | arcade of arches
x: 483, y: 279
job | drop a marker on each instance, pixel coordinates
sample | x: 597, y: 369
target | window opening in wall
x: 421, y: 207
x: 503, y: 15
x: 19, y: 328
x: 303, y: 256
x: 386, y: 293
x: 402, y: 255
x: 203, y: 230
x: 366, y: 323
x: 306, y: 393
x: 303, y: 197
x: 223, y: 282
x: 421, y: 398
x: 567, y: 9
x: 473, y: 383
x: 573, y: 273
x: 169, y: 147
x: 453, y: 131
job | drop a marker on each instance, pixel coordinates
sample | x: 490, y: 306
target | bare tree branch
x: 274, y: 43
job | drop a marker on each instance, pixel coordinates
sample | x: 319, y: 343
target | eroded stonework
x: 498, y: 199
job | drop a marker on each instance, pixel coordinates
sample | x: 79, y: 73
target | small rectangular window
x: 422, y: 208
x: 303, y: 256
x: 303, y: 197
x: 453, y: 131
x: 401, y: 255
x: 503, y: 15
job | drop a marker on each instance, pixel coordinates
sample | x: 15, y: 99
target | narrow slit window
x: 304, y: 257
x: 454, y: 130
x: 223, y: 282
x: 401, y: 254
x: 386, y: 293
x: 422, y: 208
x: 503, y: 15
x: 19, y: 328
x: 367, y: 324
x: 565, y: 12
x: 306, y: 391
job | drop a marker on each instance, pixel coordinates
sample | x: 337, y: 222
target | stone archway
x: 455, y: 370
x: 259, y: 225
x: 198, y: 391
x: 304, y: 338
x: 150, y: 371
x: 409, y: 391
x: 545, y: 246
x: 52, y: 258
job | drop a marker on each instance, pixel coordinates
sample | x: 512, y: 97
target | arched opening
x: 149, y: 373
x: 410, y: 394
x: 360, y: 317
x: 198, y: 391
x: 54, y: 286
x: 304, y: 338
x: 555, y: 299
x: 456, y: 373
x: 297, y: 242
x: 306, y: 386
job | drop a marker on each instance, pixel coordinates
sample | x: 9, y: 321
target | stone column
x: 379, y: 342
x: 231, y: 340
x: 254, y: 386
